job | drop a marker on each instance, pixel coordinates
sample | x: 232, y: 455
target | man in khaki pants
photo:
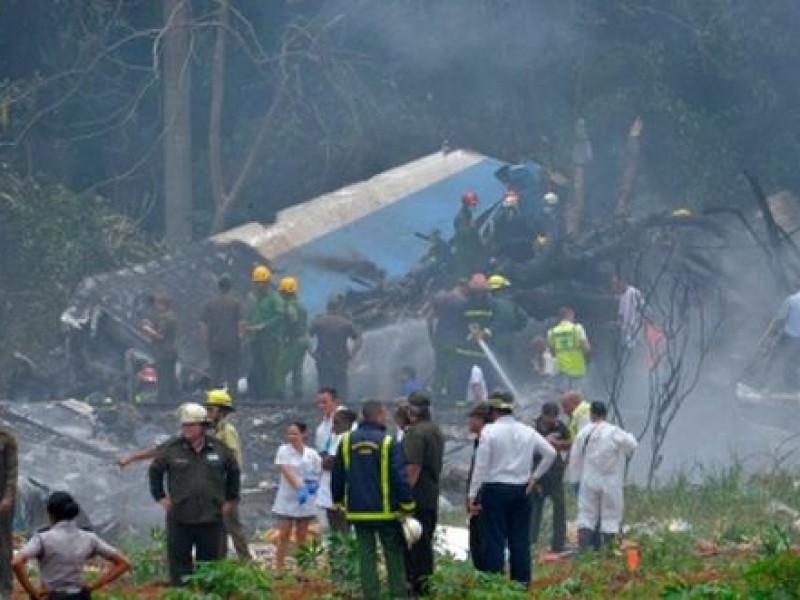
x: 219, y: 405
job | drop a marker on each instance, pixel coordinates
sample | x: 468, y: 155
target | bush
x: 459, y: 580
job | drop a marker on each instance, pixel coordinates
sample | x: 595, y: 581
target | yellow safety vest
x: 566, y: 343
x: 577, y: 416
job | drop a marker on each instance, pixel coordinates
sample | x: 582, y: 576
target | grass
x: 727, y: 537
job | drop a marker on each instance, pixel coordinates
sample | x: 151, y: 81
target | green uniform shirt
x: 565, y: 339
x: 167, y: 327
x: 226, y: 433
x: 296, y: 321
x: 423, y: 445
x: 196, y: 482
x: 267, y: 312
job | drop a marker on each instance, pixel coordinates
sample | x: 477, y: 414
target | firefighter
x: 219, y: 405
x: 509, y: 318
x: 264, y: 325
x: 468, y: 255
x: 478, y: 313
x: 295, y: 336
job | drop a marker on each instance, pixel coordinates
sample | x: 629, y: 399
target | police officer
x: 370, y: 481
x: 62, y: 551
x: 203, y: 480
x: 219, y: 405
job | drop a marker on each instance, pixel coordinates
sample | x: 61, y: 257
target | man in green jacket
x: 295, y: 336
x: 264, y: 325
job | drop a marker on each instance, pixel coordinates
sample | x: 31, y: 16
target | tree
x: 176, y: 82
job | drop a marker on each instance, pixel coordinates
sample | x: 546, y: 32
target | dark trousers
x: 182, y: 538
x: 556, y: 494
x: 235, y: 529
x: 477, y: 542
x: 167, y: 382
x: 223, y: 367
x: 392, y: 543
x: 419, y: 559
x: 6, y: 552
x: 506, y: 511
x: 333, y: 373
x: 337, y: 520
x: 256, y: 383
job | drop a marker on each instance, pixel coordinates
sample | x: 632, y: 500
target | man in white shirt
x: 629, y: 310
x: 476, y: 388
x: 325, y: 442
x: 502, y: 482
x: 597, y: 459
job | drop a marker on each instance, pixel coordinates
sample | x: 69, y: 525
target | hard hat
x: 511, y: 198
x: 219, y: 397
x: 497, y: 281
x: 412, y: 530
x: 501, y: 400
x: 192, y: 413
x: 682, y: 212
x: 241, y: 386
x: 469, y: 198
x: 148, y: 374
x: 478, y: 282
x: 288, y: 285
x: 540, y: 241
x: 550, y: 198
x: 261, y: 274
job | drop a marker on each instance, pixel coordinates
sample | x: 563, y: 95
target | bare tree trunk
x: 215, y: 113
x: 581, y: 156
x: 176, y: 76
x: 625, y: 198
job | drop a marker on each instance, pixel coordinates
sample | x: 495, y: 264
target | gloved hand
x: 302, y: 495
x: 312, y: 485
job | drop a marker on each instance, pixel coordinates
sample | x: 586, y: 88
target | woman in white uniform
x: 300, y: 467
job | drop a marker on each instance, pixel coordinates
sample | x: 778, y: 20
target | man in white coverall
x: 597, y: 461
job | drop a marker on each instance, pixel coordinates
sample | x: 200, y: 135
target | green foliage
x: 308, y: 555
x: 147, y: 556
x: 50, y: 238
x: 223, y: 579
x: 705, y: 590
x: 343, y: 563
x: 566, y: 589
x: 774, y: 577
x: 458, y: 580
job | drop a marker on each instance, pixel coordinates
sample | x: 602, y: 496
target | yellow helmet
x: 288, y: 285
x: 497, y: 282
x: 219, y: 398
x: 682, y: 212
x: 260, y: 274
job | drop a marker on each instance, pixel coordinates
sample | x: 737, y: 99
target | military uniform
x: 295, y: 345
x: 226, y: 433
x: 332, y: 354
x: 165, y: 354
x: 8, y: 487
x: 265, y: 348
x: 221, y: 318
x: 198, y: 483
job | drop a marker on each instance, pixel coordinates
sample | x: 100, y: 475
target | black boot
x: 586, y: 539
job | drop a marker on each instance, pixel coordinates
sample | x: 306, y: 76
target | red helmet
x: 469, y: 199
x: 148, y: 374
x: 478, y: 281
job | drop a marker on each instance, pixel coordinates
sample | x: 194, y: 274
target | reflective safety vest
x: 482, y: 314
x: 369, y: 491
x: 579, y: 414
x: 566, y: 342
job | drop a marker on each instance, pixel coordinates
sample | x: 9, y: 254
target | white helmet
x: 550, y: 199
x: 241, y: 386
x: 412, y: 530
x: 192, y: 413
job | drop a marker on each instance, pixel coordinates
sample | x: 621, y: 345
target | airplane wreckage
x: 385, y: 246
